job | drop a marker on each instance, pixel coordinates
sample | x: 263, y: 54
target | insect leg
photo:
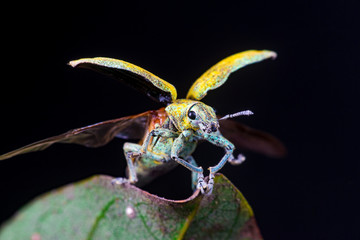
x: 139, y: 166
x: 194, y: 175
x: 129, y: 148
x: 178, y: 145
x: 220, y: 141
x: 201, y: 184
x: 161, y: 132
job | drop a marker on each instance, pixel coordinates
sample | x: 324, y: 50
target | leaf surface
x: 95, y: 209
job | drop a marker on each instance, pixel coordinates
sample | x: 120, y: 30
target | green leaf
x: 95, y: 209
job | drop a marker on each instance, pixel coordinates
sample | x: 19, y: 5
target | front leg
x: 178, y: 145
x: 157, y: 132
x: 220, y: 141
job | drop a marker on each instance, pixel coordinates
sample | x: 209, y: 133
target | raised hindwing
x: 96, y: 135
x: 246, y: 138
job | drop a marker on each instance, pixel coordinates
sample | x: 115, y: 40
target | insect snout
x: 209, y: 127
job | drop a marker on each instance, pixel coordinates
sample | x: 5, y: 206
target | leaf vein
x: 99, y: 217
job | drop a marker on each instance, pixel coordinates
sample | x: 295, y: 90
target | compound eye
x: 192, y: 115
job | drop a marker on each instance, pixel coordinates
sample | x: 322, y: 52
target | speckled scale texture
x: 119, y: 64
x: 218, y: 74
x: 177, y: 112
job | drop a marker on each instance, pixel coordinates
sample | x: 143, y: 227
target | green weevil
x: 169, y: 135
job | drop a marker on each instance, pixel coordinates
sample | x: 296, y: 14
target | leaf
x: 95, y: 209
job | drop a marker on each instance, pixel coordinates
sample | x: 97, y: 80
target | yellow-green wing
x: 218, y: 74
x: 131, y: 75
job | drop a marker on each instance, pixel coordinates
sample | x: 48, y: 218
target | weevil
x: 169, y: 136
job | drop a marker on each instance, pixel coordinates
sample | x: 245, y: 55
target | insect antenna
x: 241, y: 113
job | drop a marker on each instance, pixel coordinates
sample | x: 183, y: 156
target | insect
x: 169, y: 136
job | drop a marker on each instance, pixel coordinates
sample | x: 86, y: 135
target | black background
x: 307, y: 97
